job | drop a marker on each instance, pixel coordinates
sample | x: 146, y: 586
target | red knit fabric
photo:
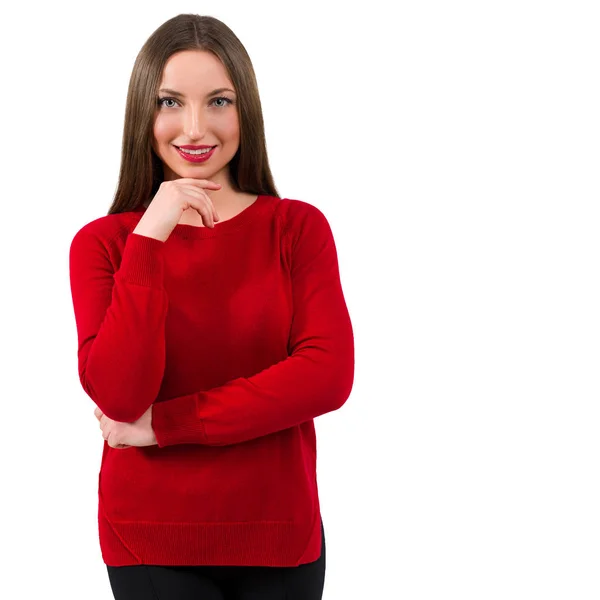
x: 239, y: 336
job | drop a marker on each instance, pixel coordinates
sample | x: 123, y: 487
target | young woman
x: 212, y: 330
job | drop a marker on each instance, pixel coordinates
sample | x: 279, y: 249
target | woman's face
x: 198, y: 116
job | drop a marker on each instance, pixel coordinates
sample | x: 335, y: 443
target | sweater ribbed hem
x: 254, y: 543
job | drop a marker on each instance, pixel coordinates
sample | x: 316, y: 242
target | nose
x: 194, y: 123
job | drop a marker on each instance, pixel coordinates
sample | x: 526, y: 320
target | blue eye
x: 167, y: 99
x: 161, y: 100
x: 227, y: 100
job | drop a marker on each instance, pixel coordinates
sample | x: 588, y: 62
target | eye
x: 227, y: 100
x: 161, y: 100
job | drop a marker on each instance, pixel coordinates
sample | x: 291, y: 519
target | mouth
x: 195, y: 156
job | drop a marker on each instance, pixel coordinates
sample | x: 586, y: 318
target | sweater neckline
x: 187, y: 231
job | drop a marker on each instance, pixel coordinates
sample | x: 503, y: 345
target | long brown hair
x: 141, y: 171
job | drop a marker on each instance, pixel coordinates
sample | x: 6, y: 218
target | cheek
x: 230, y: 129
x: 162, y: 130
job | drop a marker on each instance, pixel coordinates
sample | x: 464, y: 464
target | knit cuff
x: 176, y: 421
x: 143, y: 261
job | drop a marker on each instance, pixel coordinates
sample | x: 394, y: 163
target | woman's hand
x: 124, y: 435
x: 171, y: 201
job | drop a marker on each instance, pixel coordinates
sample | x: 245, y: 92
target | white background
x: 454, y: 148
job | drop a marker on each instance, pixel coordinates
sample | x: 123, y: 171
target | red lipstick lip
x: 190, y: 147
x: 200, y: 158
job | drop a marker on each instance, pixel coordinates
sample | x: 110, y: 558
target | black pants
x: 214, y: 582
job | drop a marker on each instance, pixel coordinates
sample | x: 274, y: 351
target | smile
x: 196, y: 156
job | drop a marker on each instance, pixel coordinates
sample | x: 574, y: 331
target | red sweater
x: 239, y: 336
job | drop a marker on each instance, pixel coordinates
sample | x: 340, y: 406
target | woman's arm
x: 120, y: 318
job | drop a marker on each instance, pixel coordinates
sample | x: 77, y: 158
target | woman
x: 212, y: 330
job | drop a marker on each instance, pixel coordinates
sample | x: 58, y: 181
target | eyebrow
x: 176, y: 93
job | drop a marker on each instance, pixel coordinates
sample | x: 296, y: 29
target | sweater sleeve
x: 120, y: 318
x: 314, y: 379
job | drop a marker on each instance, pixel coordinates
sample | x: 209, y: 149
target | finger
x: 193, y: 187
x: 112, y: 440
x: 206, y: 208
x: 105, y: 427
